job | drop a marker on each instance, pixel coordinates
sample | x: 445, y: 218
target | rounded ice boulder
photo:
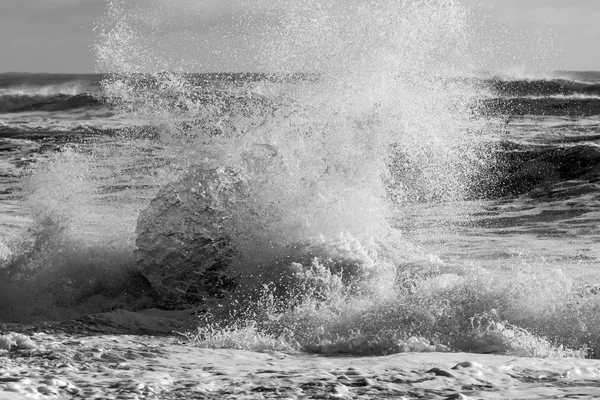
x: 183, y: 241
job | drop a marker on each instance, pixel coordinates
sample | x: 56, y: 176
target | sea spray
x: 77, y: 254
x: 377, y: 118
x: 381, y: 116
x: 345, y: 129
x: 318, y: 151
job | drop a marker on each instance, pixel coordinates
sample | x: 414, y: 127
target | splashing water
x: 355, y: 112
x: 317, y: 151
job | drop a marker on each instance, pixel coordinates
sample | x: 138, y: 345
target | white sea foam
x: 70, y: 88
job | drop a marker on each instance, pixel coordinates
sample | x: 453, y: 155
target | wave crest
x: 41, y: 102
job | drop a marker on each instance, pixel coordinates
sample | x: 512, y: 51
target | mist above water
x: 321, y: 151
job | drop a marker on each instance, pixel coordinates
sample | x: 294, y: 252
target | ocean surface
x: 468, y: 205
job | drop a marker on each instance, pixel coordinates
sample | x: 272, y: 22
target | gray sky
x: 58, y: 35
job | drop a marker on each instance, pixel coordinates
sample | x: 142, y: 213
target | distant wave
x: 563, y: 97
x: 566, y: 106
x: 522, y: 75
x: 51, y: 102
x: 572, y: 94
x: 552, y: 87
x: 49, y: 84
x: 70, y: 88
x: 545, y: 170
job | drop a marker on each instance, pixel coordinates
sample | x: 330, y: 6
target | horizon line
x: 508, y: 72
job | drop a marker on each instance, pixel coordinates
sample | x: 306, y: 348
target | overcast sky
x: 58, y: 35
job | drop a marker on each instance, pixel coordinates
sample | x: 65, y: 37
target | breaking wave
x: 327, y: 162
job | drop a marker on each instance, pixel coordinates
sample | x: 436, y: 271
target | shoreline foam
x: 64, y: 365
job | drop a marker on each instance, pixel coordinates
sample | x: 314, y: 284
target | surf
x: 356, y: 125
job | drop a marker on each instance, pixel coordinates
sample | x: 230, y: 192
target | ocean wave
x: 543, y: 171
x: 49, y: 84
x: 70, y: 88
x: 527, y: 75
x: 542, y: 87
x: 558, y: 105
x: 40, y: 102
x: 561, y: 97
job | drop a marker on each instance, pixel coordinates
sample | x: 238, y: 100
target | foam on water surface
x: 162, y: 366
